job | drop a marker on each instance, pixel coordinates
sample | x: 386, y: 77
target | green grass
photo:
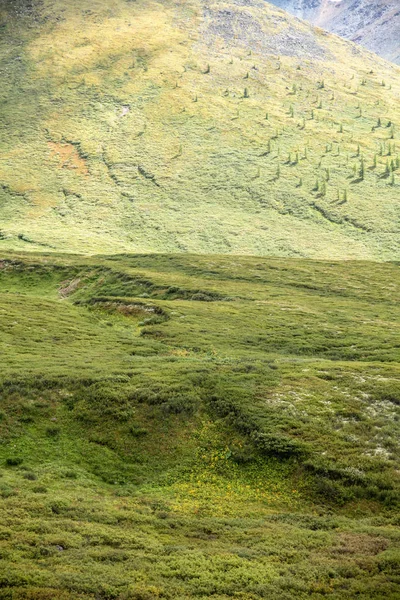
x: 125, y: 126
x: 194, y: 424
x: 198, y: 427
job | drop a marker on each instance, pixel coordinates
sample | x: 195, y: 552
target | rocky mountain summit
x: 374, y: 24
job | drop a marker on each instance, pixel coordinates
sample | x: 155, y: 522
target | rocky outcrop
x: 374, y: 24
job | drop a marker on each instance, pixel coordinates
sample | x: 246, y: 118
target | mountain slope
x: 193, y: 126
x: 374, y: 24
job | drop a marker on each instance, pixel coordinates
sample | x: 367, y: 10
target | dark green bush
x: 389, y: 561
x: 6, y: 491
x: 277, y: 445
x: 332, y: 491
x: 14, y: 461
x: 137, y: 431
x: 39, y: 489
x: 53, y: 432
x: 180, y: 404
x: 200, y: 297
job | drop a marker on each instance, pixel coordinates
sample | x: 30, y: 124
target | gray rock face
x: 374, y: 24
x: 240, y: 28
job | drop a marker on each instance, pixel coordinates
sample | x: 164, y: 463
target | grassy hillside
x: 198, y: 427
x: 193, y: 126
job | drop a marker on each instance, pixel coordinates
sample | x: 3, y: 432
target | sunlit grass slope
x: 198, y: 427
x: 194, y: 126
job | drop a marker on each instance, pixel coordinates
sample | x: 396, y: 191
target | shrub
x: 277, y: 445
x: 39, y: 489
x: 243, y: 456
x: 331, y: 490
x: 389, y: 562
x: 390, y: 392
x: 180, y: 404
x: 14, y: 461
x: 200, y: 297
x: 53, y: 431
x: 6, y: 491
x: 137, y: 431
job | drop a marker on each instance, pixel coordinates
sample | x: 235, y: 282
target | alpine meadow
x: 199, y: 305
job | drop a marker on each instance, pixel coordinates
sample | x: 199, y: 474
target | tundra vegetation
x: 179, y: 419
x: 176, y: 426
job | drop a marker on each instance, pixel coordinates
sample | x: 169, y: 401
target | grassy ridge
x: 181, y: 426
x: 125, y: 126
